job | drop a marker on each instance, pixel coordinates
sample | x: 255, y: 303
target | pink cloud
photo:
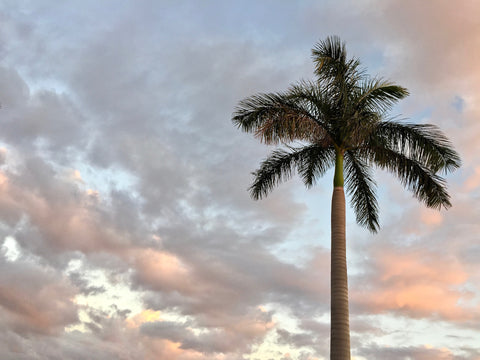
x: 433, y: 39
x: 35, y: 299
x: 415, y: 283
x: 161, y: 270
x: 63, y: 216
x: 166, y: 349
x: 431, y: 217
x: 473, y: 181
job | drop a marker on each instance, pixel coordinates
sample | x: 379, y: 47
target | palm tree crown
x: 340, y: 120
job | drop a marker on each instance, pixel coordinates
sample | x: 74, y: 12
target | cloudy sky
x: 126, y: 228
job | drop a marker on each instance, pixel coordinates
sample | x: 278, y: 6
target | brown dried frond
x: 286, y: 127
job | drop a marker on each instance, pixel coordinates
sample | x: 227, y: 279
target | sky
x: 126, y: 227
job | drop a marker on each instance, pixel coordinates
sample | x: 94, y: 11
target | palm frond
x: 313, y: 161
x: 425, y: 184
x: 332, y: 49
x: 274, y: 118
x: 378, y: 94
x: 332, y: 66
x: 310, y: 161
x: 315, y: 100
x: 425, y: 143
x: 361, y: 189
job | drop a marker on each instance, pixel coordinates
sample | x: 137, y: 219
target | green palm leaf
x: 422, y: 181
x: 361, y: 189
x: 311, y: 162
x: 425, y: 143
x: 379, y: 95
x: 332, y: 65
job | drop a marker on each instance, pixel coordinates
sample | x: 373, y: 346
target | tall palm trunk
x: 339, y: 322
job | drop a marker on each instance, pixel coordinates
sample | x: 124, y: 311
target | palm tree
x: 340, y: 121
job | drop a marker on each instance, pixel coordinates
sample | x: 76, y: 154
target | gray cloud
x: 33, y: 299
x: 421, y: 353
